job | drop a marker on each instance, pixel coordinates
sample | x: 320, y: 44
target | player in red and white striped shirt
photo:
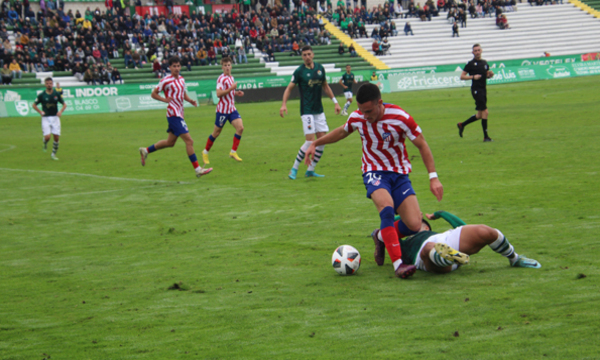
x: 174, y: 88
x: 226, y: 111
x: 383, y: 129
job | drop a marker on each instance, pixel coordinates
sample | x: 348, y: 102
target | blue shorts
x: 398, y: 185
x: 177, y: 126
x: 221, y: 118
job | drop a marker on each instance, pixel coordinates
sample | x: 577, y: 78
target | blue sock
x: 239, y: 137
x: 193, y: 158
x: 387, y: 217
x: 151, y: 148
x: 403, y: 229
x: 212, y: 138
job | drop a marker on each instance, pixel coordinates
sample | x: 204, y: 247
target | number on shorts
x: 373, y: 177
x: 222, y: 120
x: 184, y: 124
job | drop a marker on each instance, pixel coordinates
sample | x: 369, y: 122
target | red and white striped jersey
x: 383, y: 141
x: 226, y: 103
x: 175, y: 89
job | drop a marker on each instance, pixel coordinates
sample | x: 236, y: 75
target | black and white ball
x: 346, y: 260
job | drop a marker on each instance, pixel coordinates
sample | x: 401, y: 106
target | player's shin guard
x: 194, y: 160
x: 504, y: 248
x: 54, y: 147
x: 318, y: 153
x: 403, y: 230
x: 209, y: 143
x: 236, y: 142
x: 390, y: 237
x: 301, y: 154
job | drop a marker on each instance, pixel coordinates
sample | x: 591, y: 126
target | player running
x: 347, y: 81
x: 173, y: 87
x: 478, y: 71
x: 310, y: 77
x: 383, y: 129
x: 50, y: 114
x: 226, y: 111
x: 445, y: 252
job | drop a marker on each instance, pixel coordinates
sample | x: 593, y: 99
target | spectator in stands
x: 242, y: 54
x: 385, y: 47
x: 270, y: 54
x: 77, y: 71
x: 295, y: 49
x: 375, y: 34
x: 408, y: 29
x: 6, y: 75
x: 374, y: 76
x: 376, y: 47
x: 156, y: 68
x: 503, y: 22
x: 455, y: 30
x: 89, y: 77
x: 15, y: 69
x: 352, y: 50
x: 462, y: 16
x: 128, y: 58
x: 202, y: 56
x: 116, y: 75
x: 341, y: 49
x: 212, y: 56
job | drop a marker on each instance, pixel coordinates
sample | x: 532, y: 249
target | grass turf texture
x: 86, y: 261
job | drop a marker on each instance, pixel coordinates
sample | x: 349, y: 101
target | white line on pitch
x: 10, y: 148
x: 95, y: 176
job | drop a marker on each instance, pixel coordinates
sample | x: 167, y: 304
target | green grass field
x: 90, y: 245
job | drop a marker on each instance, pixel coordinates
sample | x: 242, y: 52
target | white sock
x: 397, y: 264
x: 301, y: 154
x: 318, y: 154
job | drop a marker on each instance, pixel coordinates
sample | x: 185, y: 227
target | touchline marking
x: 96, y: 176
x: 10, y: 148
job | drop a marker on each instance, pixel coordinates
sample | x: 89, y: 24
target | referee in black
x: 478, y: 71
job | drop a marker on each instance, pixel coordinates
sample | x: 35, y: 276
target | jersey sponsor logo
x: 387, y: 137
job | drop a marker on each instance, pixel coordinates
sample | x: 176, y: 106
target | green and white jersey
x: 411, y: 245
x: 310, y: 83
x: 49, y: 102
x: 348, y: 80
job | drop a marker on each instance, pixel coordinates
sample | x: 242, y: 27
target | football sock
x: 194, y: 160
x: 301, y: 154
x: 438, y: 260
x: 151, y: 149
x: 236, y: 142
x: 54, y: 147
x: 46, y: 144
x: 390, y: 237
x: 403, y: 230
x: 317, y: 157
x: 484, y: 126
x: 469, y: 120
x: 504, y: 248
x: 209, y: 143
x: 347, y: 105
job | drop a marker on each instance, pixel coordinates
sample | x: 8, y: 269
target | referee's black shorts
x: 480, y: 97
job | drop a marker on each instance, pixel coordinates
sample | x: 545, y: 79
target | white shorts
x: 348, y: 94
x: 314, y: 123
x: 50, y: 125
x: 450, y: 238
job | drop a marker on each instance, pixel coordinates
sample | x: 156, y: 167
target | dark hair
x: 427, y: 223
x: 174, y: 60
x: 48, y: 79
x: 368, y: 92
x: 476, y: 45
x: 225, y: 59
x: 306, y: 48
x: 348, y: 65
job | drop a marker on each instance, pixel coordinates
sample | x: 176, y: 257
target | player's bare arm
x: 334, y: 136
x: 329, y: 93
x: 34, y: 106
x: 286, y: 96
x: 60, y: 112
x: 156, y: 96
x: 341, y: 82
x: 221, y: 93
x: 434, y: 183
x: 188, y: 99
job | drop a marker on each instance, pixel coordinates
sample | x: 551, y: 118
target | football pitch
x: 101, y: 258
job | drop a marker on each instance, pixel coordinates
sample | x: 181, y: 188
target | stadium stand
x: 561, y: 29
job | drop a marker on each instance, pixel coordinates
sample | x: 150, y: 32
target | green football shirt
x: 348, y: 80
x: 310, y: 83
x: 49, y: 102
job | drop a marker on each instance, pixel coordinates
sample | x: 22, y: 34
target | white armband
x: 432, y: 175
x: 334, y: 100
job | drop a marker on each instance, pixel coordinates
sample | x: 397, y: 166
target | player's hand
x: 476, y: 77
x: 234, y: 86
x: 310, y: 153
x: 283, y: 110
x: 168, y: 99
x: 239, y: 93
x: 338, y: 109
x: 194, y: 103
x: 43, y: 113
x: 430, y: 216
x: 436, y: 188
x: 59, y: 114
x: 490, y: 74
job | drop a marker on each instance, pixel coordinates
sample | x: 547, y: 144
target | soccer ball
x: 346, y: 260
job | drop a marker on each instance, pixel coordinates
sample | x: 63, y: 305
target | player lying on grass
x: 445, y: 252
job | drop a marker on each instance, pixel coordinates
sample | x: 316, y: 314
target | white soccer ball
x: 346, y: 260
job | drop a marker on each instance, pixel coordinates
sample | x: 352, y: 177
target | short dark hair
x: 476, y: 45
x: 307, y: 48
x: 174, y: 60
x: 225, y: 59
x: 48, y: 79
x: 368, y: 92
x: 427, y: 223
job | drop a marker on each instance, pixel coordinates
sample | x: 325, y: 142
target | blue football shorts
x: 177, y: 126
x: 397, y: 185
x: 222, y: 118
